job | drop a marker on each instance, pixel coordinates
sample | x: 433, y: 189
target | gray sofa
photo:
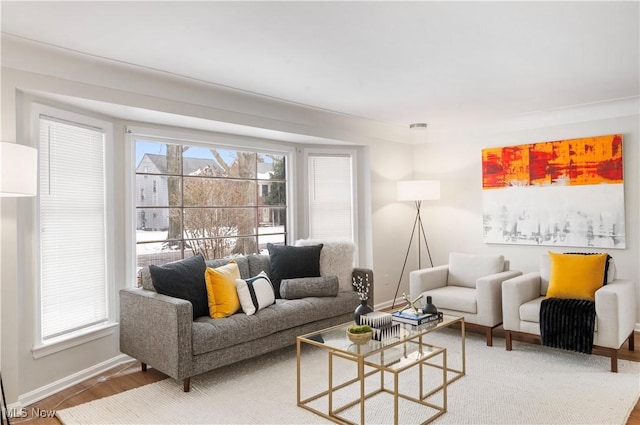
x: 159, y: 330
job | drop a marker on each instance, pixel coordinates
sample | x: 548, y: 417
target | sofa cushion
x: 240, y: 260
x: 183, y: 279
x: 255, y: 293
x: 458, y: 298
x: 144, y: 279
x: 291, y: 289
x: 258, y: 263
x: 336, y: 259
x: 530, y: 311
x: 465, y: 269
x: 221, y: 290
x: 209, y: 334
x: 288, y: 262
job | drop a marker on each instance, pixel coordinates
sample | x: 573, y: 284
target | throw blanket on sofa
x: 568, y: 324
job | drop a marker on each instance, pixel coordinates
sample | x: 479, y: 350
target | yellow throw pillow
x: 221, y: 290
x: 576, y: 276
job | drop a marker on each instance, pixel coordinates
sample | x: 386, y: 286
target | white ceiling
x: 392, y: 62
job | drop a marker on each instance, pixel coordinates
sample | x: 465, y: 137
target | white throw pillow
x: 255, y: 293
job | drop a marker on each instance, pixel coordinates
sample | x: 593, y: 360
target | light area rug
x: 529, y: 385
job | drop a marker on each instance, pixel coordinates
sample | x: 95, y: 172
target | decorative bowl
x: 359, y: 339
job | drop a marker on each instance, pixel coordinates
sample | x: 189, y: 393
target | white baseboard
x: 387, y: 304
x: 68, y: 381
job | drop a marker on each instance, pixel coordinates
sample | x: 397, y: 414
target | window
x: 331, y: 196
x: 72, y: 218
x: 212, y: 200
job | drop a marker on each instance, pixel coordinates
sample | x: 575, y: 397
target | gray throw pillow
x: 327, y: 286
x: 290, y: 262
x: 183, y: 279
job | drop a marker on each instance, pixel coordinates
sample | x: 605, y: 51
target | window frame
x: 337, y: 151
x: 204, y: 139
x: 73, y: 338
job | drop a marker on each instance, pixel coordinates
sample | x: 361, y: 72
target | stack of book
x: 408, y: 316
x: 382, y: 325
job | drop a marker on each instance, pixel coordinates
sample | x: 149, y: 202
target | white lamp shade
x: 18, y: 170
x: 418, y: 190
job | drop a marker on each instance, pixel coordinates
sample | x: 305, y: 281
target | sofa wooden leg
x: 489, y: 332
x: 632, y: 338
x: 186, y: 384
x: 507, y: 339
x: 144, y: 366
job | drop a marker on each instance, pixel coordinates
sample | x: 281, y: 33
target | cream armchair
x: 469, y: 286
x: 614, y: 302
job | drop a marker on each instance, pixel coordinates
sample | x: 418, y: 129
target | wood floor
x: 130, y: 376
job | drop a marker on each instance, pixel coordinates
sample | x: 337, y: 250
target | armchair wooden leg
x: 489, y: 333
x: 632, y: 338
x: 186, y: 384
x: 144, y: 367
x: 507, y: 339
x: 614, y: 360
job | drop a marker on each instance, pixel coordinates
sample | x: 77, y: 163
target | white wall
x: 456, y: 162
x: 392, y: 221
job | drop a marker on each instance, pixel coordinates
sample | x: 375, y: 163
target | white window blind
x: 73, y: 253
x: 330, y: 197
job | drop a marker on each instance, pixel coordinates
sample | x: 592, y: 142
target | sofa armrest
x: 362, y: 272
x: 489, y: 297
x: 515, y: 292
x: 426, y: 279
x: 156, y: 329
x: 615, y: 312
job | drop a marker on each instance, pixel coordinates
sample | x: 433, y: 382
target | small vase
x: 363, y: 308
x: 429, y: 308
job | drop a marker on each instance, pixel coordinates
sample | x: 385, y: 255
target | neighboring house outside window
x: 209, y: 200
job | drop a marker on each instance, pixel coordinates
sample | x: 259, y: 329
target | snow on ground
x: 156, y: 239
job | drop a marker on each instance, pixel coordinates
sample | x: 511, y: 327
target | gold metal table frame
x: 381, y: 357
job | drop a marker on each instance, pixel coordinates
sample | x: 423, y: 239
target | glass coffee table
x: 405, y: 351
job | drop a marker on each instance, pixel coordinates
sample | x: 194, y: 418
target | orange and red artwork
x: 565, y: 193
x: 592, y: 160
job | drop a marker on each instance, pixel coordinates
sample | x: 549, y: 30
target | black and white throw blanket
x: 568, y: 324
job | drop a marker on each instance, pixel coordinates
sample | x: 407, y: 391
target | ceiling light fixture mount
x: 418, y: 133
x: 418, y: 126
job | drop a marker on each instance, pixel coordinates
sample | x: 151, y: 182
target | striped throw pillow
x: 255, y: 293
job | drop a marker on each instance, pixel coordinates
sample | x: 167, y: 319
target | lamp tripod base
x: 417, y: 225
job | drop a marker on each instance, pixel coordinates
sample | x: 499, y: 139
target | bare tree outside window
x: 213, y: 201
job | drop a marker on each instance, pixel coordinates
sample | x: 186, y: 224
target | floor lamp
x: 18, y: 178
x: 416, y: 191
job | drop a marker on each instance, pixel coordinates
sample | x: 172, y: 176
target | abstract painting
x: 559, y: 193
